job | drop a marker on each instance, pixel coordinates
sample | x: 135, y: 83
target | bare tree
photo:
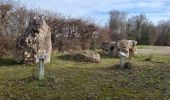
x: 164, y: 33
x: 117, y: 25
x: 141, y: 29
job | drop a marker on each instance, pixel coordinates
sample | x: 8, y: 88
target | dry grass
x: 69, y: 80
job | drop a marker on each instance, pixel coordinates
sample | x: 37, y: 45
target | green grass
x: 148, y: 47
x: 66, y: 79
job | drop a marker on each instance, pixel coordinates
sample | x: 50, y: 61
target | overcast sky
x: 98, y: 10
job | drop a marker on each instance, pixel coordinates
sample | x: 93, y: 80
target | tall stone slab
x: 34, y: 41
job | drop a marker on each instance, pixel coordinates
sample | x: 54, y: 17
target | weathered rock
x: 34, y: 41
x: 108, y: 46
x: 87, y: 56
x: 127, y: 46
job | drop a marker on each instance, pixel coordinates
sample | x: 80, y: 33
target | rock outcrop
x: 126, y: 46
x: 86, y: 56
x: 34, y: 41
x: 108, y: 46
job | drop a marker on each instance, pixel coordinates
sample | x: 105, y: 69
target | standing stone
x: 34, y: 41
x: 127, y: 46
x: 108, y: 46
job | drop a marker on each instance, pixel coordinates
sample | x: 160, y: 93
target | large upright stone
x: 127, y: 46
x: 34, y: 41
x: 108, y: 46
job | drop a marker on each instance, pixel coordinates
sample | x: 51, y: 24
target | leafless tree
x: 117, y: 25
x: 164, y: 33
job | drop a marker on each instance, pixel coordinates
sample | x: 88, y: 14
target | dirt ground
x: 154, y: 50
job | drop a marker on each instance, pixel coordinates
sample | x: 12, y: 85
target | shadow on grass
x: 75, y: 58
x: 127, y: 67
x: 160, y: 62
x: 70, y: 58
x: 105, y: 55
x: 66, y: 57
x: 8, y: 62
x: 30, y: 79
x: 35, y: 78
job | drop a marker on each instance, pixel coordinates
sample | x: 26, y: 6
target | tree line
x: 78, y: 33
x: 139, y: 28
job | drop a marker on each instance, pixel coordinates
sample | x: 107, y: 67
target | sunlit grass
x: 66, y: 79
x: 149, y: 47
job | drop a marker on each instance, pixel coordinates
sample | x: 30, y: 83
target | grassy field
x: 149, y: 47
x: 70, y: 80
